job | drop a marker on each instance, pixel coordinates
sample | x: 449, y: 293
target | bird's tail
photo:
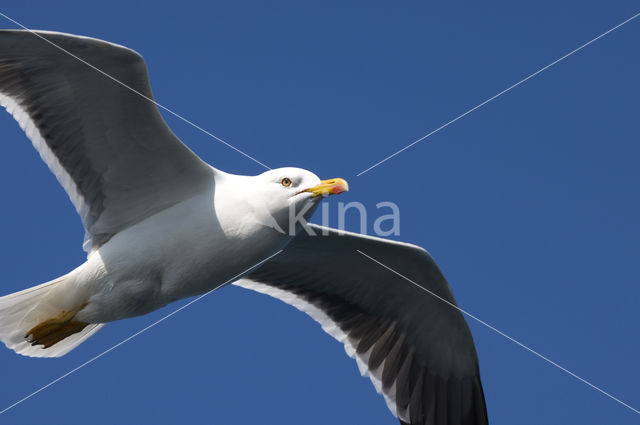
x: 21, y: 311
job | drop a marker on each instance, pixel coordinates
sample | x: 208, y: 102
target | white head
x: 280, y: 198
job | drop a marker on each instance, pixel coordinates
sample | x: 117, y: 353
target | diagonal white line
x: 137, y: 92
x: 531, y: 350
x: 499, y: 94
x: 91, y: 360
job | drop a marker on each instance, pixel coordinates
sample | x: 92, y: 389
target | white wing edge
x: 33, y: 133
x: 330, y: 327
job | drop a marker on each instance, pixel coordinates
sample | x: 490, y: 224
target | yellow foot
x: 54, y: 330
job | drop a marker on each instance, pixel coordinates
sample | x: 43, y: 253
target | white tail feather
x: 23, y: 310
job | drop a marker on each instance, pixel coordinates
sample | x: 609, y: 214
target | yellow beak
x: 329, y: 187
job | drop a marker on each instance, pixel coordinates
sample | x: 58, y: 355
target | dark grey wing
x: 108, y: 146
x: 416, y: 348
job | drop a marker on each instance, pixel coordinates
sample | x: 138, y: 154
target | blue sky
x: 528, y: 204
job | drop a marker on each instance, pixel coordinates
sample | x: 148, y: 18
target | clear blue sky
x: 530, y: 204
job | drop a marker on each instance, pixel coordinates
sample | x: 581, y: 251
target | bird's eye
x: 286, y: 182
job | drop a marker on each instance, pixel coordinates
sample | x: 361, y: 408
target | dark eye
x: 286, y: 182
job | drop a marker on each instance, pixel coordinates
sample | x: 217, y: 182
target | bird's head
x: 289, y: 193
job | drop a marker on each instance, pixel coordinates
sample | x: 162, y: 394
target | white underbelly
x: 180, y: 252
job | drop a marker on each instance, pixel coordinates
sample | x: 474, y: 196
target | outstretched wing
x: 416, y: 348
x: 107, y: 145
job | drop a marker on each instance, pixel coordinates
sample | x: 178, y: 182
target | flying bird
x: 162, y: 225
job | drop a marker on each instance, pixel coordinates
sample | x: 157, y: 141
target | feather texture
x: 416, y: 349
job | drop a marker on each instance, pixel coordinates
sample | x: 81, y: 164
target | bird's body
x: 162, y: 225
x: 185, y: 250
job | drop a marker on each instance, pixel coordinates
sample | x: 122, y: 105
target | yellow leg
x: 54, y: 330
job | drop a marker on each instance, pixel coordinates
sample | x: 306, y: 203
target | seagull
x: 161, y: 225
